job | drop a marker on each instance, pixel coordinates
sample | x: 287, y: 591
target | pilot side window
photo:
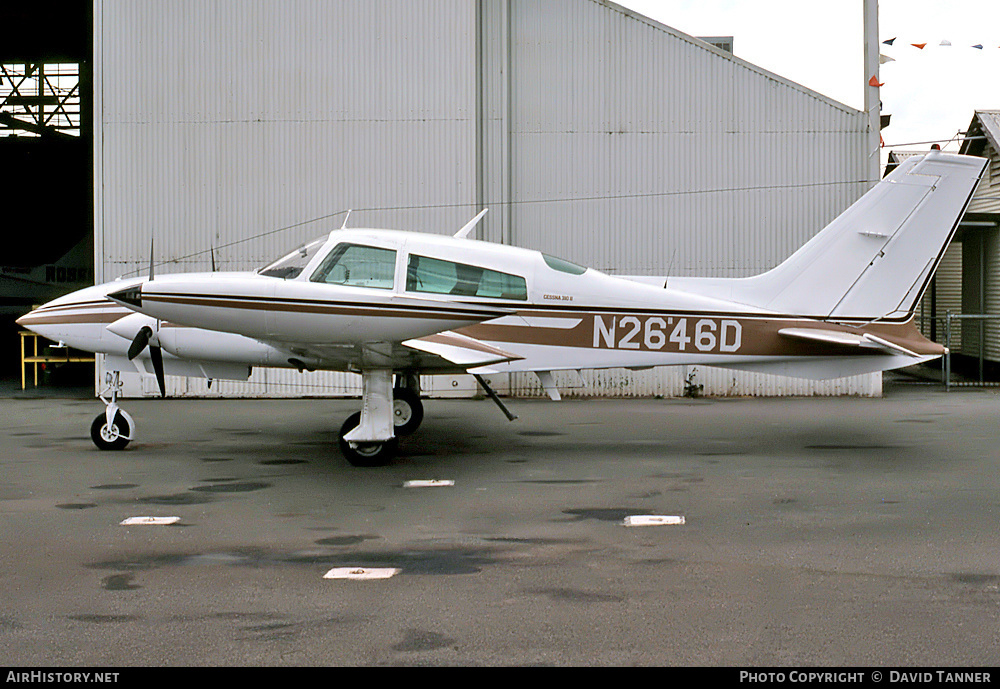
x: 433, y: 275
x: 358, y: 266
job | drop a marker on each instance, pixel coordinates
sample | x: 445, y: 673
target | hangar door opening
x: 46, y: 169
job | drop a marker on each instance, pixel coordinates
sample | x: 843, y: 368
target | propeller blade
x: 140, y: 342
x: 157, y: 356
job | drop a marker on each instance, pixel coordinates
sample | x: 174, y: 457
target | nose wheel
x: 112, y: 430
x: 111, y: 436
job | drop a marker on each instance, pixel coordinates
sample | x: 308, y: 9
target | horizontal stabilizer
x: 845, y: 339
x: 460, y: 349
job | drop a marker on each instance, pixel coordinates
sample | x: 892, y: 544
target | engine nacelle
x: 209, y: 345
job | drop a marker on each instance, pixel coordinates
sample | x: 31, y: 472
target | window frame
x: 522, y: 294
x: 341, y: 248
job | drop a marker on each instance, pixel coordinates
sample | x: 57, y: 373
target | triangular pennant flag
x: 945, y: 42
x: 875, y: 82
x: 978, y: 46
x: 918, y: 45
x: 889, y: 41
x: 882, y: 59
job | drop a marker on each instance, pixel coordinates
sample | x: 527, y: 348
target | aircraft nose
x: 44, y: 321
x: 33, y: 317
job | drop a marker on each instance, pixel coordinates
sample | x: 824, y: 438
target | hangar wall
x: 223, y: 121
x: 589, y: 131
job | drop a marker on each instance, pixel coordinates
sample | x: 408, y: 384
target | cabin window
x: 290, y: 265
x: 358, y: 266
x: 563, y: 266
x: 436, y: 276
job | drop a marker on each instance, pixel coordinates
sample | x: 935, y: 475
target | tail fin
x: 874, y: 261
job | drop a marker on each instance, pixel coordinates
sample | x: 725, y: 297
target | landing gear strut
x: 370, y: 437
x: 113, y: 429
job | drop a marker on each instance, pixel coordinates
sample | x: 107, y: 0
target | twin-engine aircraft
x: 393, y: 305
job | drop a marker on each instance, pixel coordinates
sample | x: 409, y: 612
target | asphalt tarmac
x: 816, y: 531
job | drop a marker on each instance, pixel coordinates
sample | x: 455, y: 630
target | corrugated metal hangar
x: 233, y: 131
x: 980, y: 249
x: 966, y: 283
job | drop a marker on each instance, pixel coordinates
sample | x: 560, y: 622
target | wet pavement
x: 815, y: 531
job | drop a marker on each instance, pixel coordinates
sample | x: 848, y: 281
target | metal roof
x: 984, y: 123
x: 726, y: 55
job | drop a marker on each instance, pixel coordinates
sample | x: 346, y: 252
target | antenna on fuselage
x: 469, y: 225
x: 344, y: 226
x: 150, y: 258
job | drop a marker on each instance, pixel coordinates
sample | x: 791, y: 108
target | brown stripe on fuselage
x: 758, y: 336
x: 378, y: 310
x: 73, y: 314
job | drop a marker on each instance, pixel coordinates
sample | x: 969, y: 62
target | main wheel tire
x: 114, y: 437
x: 375, y: 454
x: 407, y: 411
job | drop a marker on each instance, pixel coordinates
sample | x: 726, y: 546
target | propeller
x: 139, y: 343
x: 142, y: 338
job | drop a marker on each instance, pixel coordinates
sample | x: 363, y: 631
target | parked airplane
x: 391, y: 304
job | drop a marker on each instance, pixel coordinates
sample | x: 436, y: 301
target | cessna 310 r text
x: 393, y: 305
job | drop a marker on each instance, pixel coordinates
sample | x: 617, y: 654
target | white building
x: 590, y: 132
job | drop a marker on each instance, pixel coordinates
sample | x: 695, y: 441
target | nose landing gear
x: 113, y: 429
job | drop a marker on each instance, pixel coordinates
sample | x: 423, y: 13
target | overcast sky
x: 930, y: 93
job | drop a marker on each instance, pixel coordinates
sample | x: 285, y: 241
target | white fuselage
x: 365, y: 289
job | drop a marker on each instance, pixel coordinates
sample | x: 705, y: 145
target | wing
x: 460, y: 350
x: 444, y: 352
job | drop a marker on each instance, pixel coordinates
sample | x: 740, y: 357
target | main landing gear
x: 113, y: 429
x: 370, y: 438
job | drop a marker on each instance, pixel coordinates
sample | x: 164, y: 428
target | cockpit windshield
x: 289, y: 266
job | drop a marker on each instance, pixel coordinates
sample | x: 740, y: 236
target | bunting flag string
x: 885, y: 59
x: 945, y: 43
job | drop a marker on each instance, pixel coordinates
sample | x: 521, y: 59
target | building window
x: 39, y: 99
